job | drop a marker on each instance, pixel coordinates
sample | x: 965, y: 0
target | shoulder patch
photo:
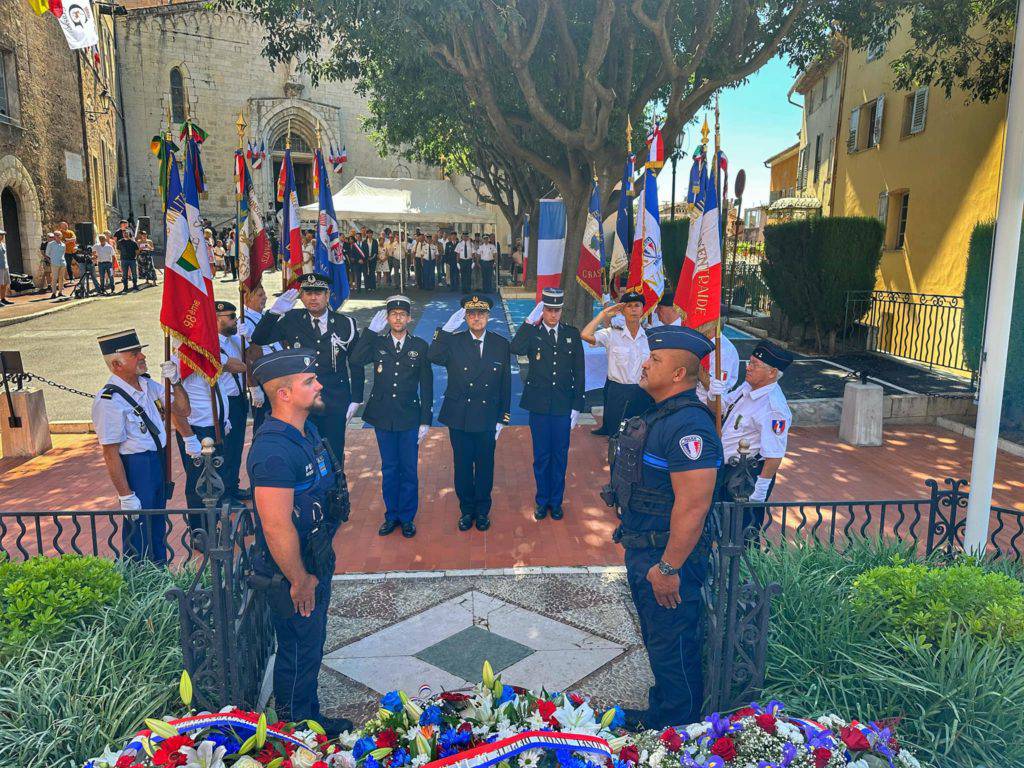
x: 778, y: 426
x: 692, y: 446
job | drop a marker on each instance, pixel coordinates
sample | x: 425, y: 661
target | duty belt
x: 638, y: 540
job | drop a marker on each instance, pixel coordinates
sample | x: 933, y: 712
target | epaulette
x: 106, y: 396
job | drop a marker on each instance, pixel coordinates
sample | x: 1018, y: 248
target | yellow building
x: 926, y: 165
x: 783, y: 166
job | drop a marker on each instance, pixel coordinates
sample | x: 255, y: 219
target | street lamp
x: 677, y: 150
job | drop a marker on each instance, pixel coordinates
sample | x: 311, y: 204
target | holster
x: 637, y: 540
x: 279, y: 593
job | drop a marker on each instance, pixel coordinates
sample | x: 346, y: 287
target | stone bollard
x: 861, y: 422
x: 32, y: 437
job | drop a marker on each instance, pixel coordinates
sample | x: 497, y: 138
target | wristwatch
x: 666, y: 569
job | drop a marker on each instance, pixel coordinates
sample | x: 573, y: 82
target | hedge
x: 979, y: 258
x: 810, y: 265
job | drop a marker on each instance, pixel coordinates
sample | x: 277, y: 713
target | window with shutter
x: 817, y: 156
x: 883, y: 207
x: 919, y: 111
x: 876, y: 123
x: 801, y: 177
x: 851, y: 139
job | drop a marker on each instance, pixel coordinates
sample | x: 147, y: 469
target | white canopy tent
x: 410, y: 201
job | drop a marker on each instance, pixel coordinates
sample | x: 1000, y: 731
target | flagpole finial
x: 704, y: 131
x: 319, y: 141
x: 629, y: 135
x: 240, y: 126
x: 288, y: 135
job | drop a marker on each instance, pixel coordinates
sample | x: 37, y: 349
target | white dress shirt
x: 760, y: 416
x: 464, y: 249
x: 626, y: 353
x: 481, y: 338
x: 487, y: 251
x: 116, y: 422
x: 199, y: 398
x: 234, y: 383
x: 249, y: 322
x: 730, y: 368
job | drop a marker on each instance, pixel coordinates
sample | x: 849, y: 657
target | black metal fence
x: 920, y: 327
x: 744, y: 290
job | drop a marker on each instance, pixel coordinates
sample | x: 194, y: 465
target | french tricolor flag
x: 550, y: 244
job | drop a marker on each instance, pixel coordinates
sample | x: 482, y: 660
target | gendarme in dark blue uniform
x: 675, y: 435
x: 281, y: 456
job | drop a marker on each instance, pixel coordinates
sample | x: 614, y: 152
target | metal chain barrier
x: 49, y: 382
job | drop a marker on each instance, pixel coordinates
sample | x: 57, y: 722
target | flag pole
x: 168, y: 426
x: 240, y: 126
x: 286, y: 265
x: 718, y: 321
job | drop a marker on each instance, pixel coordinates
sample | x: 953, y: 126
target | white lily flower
x: 579, y: 719
x: 420, y: 760
x: 207, y: 755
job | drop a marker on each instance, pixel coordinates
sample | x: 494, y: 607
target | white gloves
x: 574, y: 418
x: 380, y: 320
x: 761, y: 486
x: 618, y: 322
x: 169, y: 370
x: 424, y: 428
x: 130, y: 502
x: 454, y: 321
x: 192, y: 446
x: 285, y: 301
x: 352, y: 408
x: 243, y: 333
x: 497, y: 430
x: 257, y: 396
x: 534, y: 317
x: 717, y: 387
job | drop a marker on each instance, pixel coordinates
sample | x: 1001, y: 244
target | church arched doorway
x: 12, y: 225
x: 302, y: 164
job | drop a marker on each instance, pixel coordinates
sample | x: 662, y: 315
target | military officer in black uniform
x: 476, y: 403
x: 664, y: 469
x: 553, y: 395
x: 400, y: 407
x: 330, y: 335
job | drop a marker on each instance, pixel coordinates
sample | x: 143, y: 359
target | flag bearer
x: 233, y: 375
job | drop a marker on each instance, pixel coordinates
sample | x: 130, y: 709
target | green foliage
x: 959, y: 699
x: 44, y: 596
x: 979, y: 261
x: 673, y: 246
x: 810, y: 265
x: 62, y: 700
x: 925, y: 601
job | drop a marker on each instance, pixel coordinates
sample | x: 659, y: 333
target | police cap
x: 680, y: 337
x: 224, y: 306
x: 773, y: 355
x: 283, y: 363
x: 473, y: 302
x: 553, y: 297
x: 631, y: 296
x: 122, y: 341
x: 398, y: 302
x: 314, y: 281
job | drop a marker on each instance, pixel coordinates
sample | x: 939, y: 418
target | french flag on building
x: 550, y: 244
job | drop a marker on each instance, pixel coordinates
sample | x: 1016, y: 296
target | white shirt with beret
x: 626, y: 353
x: 760, y: 416
x: 117, y: 423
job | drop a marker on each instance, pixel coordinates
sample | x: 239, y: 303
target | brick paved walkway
x: 817, y: 468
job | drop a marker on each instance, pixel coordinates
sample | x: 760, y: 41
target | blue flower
x: 230, y: 743
x: 619, y: 720
x: 371, y: 762
x: 363, y: 747
x: 431, y: 716
x: 507, y: 694
x: 400, y: 757
x: 392, y: 702
x: 566, y: 759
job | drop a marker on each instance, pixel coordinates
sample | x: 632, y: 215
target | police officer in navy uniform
x: 330, y: 335
x: 130, y: 429
x: 400, y: 407
x: 476, y: 405
x: 294, y: 479
x: 664, y: 470
x: 553, y: 395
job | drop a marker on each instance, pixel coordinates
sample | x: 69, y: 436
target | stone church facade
x: 188, y: 59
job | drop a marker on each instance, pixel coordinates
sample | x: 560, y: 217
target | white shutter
x: 851, y: 139
x: 919, y: 110
x: 876, y: 129
x: 801, y: 177
x: 883, y: 207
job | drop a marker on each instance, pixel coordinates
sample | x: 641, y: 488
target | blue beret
x: 283, y: 363
x: 773, y: 355
x: 680, y: 337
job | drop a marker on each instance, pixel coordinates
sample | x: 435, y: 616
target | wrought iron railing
x: 920, y: 327
x: 744, y: 290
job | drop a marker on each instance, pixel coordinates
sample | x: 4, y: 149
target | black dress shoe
x: 483, y: 522
x: 408, y: 530
x: 557, y: 513
x: 541, y: 512
x: 387, y: 527
x: 333, y: 726
x: 465, y: 523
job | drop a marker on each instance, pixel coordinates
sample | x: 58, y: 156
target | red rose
x: 766, y: 722
x: 465, y: 728
x: 821, y: 757
x: 387, y: 738
x: 167, y: 753
x: 546, y: 709
x: 671, y: 739
x: 125, y: 761
x: 319, y: 764
x: 745, y: 712
x: 630, y: 754
x: 724, y: 747
x: 854, y: 740
x: 453, y: 697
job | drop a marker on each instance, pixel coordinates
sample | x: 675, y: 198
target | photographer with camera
x: 300, y: 502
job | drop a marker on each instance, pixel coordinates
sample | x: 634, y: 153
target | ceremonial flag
x: 699, y: 288
x: 192, y: 135
x: 327, y: 255
x: 291, y: 235
x: 78, y: 23
x: 590, y: 271
x: 258, y: 155
x: 186, y: 311
x: 646, y: 273
x: 164, y: 150
x: 623, y: 242
x: 254, y: 254
x: 655, y: 148
x: 550, y: 244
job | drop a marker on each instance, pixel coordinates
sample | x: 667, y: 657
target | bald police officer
x: 664, y: 470
x: 330, y: 335
x: 553, y: 395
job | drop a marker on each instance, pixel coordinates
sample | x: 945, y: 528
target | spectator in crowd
x: 451, y: 261
x: 55, y: 252
x: 5, y: 275
x: 229, y: 254
x: 147, y: 271
x: 487, y: 254
x: 383, y: 261
x: 70, y: 249
x: 128, y: 248
x: 308, y: 251
x: 517, y: 263
x: 211, y: 244
x: 104, y: 253
x: 45, y: 267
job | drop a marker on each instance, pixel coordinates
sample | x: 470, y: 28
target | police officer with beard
x: 664, y: 469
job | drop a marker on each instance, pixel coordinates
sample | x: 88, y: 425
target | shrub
x: 924, y: 601
x: 810, y: 265
x: 41, y: 597
x: 979, y: 262
x: 959, y: 699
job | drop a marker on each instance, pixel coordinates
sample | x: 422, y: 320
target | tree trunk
x: 579, y: 305
x: 530, y: 278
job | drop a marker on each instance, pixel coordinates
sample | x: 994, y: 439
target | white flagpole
x: 1000, y: 305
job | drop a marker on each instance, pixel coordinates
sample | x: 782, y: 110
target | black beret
x: 224, y: 306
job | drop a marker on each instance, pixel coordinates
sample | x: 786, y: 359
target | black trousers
x: 487, y: 273
x: 355, y: 276
x: 371, y: 277
x: 466, y: 275
x: 622, y: 401
x: 234, y: 442
x: 474, y: 470
x: 331, y: 425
